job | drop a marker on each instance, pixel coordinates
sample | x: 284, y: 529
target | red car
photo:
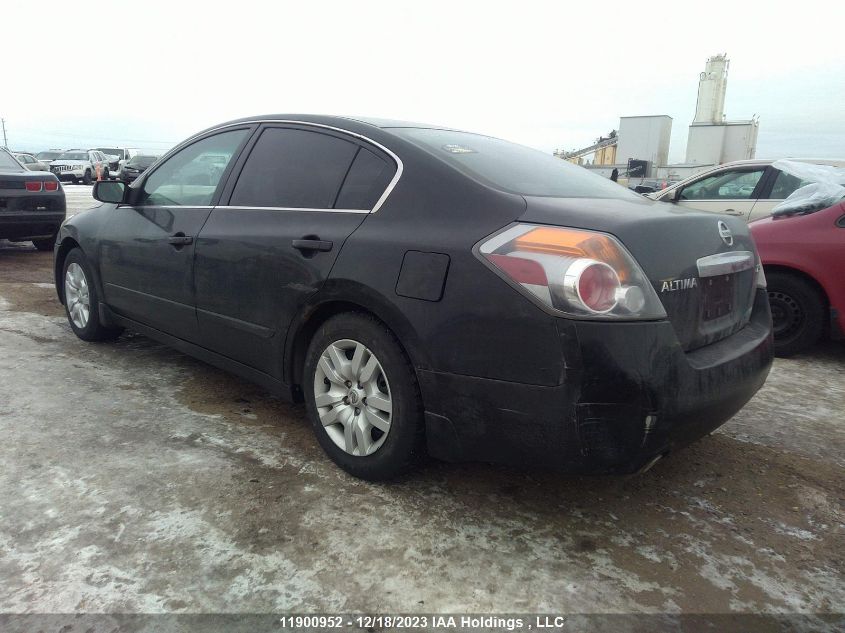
x: 804, y: 260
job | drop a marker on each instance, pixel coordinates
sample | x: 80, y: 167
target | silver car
x: 30, y: 162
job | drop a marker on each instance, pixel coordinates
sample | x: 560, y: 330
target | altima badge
x: 725, y: 233
x: 671, y: 285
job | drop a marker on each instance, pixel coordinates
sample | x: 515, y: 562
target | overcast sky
x: 546, y: 74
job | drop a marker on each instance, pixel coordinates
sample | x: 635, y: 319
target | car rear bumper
x: 67, y: 176
x: 29, y: 225
x: 630, y: 394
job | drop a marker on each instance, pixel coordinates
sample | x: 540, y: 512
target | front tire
x: 86, y: 179
x: 82, y: 303
x: 798, y: 313
x: 362, y: 398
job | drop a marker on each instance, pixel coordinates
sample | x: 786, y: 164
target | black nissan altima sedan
x: 427, y: 290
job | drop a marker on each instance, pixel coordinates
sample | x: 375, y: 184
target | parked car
x: 136, y: 166
x: 81, y: 165
x: 648, y: 185
x: 117, y: 157
x: 428, y: 289
x: 32, y: 204
x: 749, y: 189
x: 30, y: 162
x: 804, y: 259
x: 48, y: 156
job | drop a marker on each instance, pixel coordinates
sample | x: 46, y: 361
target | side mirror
x: 112, y: 191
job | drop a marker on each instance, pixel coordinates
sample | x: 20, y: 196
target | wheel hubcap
x: 77, y: 299
x: 353, y: 397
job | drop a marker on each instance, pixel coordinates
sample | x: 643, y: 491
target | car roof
x: 350, y: 123
x: 836, y: 162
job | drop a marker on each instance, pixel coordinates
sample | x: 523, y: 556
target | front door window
x: 191, y: 176
x: 727, y: 185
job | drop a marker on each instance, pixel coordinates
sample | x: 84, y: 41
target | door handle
x: 180, y: 239
x: 733, y: 212
x: 312, y: 245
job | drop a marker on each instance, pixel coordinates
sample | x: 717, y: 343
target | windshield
x: 142, y: 161
x: 111, y: 151
x: 511, y: 167
x: 7, y: 162
x: 47, y: 155
x: 74, y: 156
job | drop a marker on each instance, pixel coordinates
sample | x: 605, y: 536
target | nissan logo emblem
x: 725, y: 233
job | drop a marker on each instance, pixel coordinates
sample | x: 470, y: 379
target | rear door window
x: 292, y: 168
x: 785, y: 185
x: 366, y: 181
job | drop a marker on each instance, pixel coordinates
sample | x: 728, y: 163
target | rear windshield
x: 74, y: 156
x: 142, y: 161
x: 514, y: 168
x: 7, y: 162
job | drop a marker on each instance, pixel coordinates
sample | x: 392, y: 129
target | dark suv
x: 429, y: 289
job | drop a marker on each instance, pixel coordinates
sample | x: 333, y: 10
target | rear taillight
x: 576, y: 272
x: 51, y: 185
x: 33, y: 185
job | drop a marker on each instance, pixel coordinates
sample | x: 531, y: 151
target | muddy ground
x: 136, y: 479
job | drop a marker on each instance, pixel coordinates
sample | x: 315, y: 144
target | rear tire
x: 798, y: 313
x: 45, y: 244
x: 82, y: 302
x: 370, y: 452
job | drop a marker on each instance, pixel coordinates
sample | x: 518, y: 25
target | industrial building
x: 640, y: 147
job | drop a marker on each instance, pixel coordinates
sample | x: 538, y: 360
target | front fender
x: 81, y: 231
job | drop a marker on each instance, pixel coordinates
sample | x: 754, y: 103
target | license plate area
x: 718, y: 295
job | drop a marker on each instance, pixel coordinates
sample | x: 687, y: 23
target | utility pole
x: 5, y: 142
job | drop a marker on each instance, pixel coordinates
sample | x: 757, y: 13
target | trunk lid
x: 689, y: 257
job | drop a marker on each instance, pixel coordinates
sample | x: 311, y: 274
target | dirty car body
x: 549, y: 317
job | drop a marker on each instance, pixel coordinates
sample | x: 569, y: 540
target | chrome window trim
x: 725, y: 263
x: 321, y: 210
x: 123, y: 205
x: 238, y: 208
x: 390, y: 186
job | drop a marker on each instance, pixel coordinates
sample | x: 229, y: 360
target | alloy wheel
x: 77, y: 298
x: 352, y: 395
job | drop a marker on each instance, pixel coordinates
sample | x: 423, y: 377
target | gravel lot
x: 135, y: 479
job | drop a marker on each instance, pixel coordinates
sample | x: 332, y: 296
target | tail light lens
x: 578, y: 273
x: 33, y: 185
x: 51, y: 185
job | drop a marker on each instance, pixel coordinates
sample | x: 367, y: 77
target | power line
x: 89, y: 135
